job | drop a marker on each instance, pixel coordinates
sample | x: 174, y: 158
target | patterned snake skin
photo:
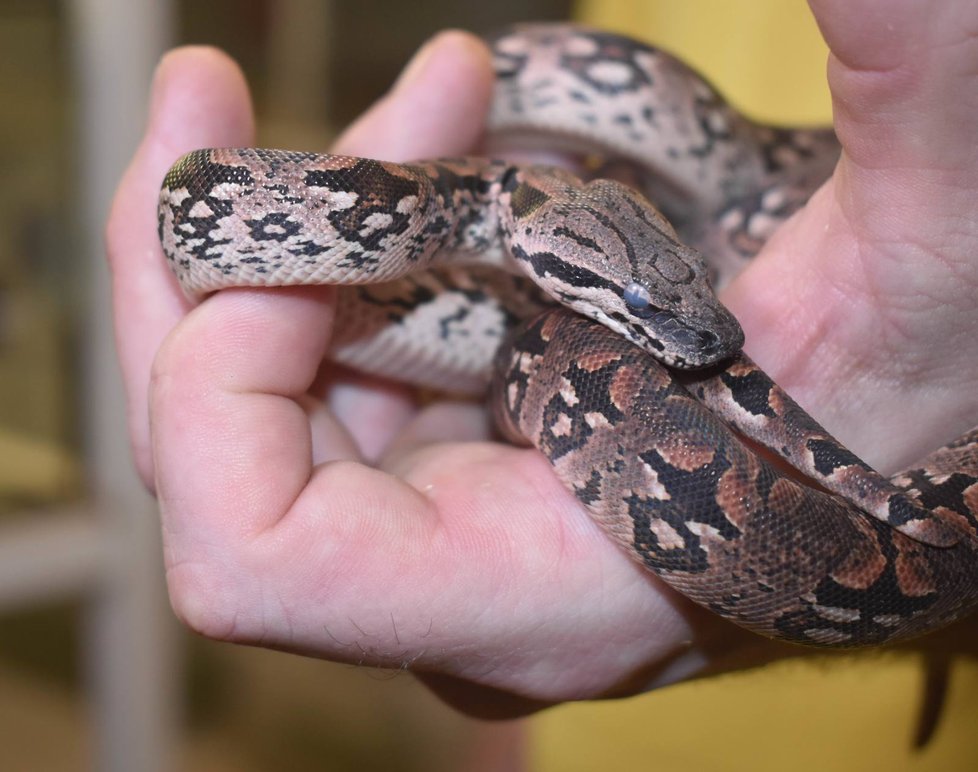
x: 439, y: 259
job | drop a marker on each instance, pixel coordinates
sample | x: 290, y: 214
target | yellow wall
x: 854, y: 715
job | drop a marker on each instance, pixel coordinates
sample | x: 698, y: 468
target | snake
x: 593, y: 314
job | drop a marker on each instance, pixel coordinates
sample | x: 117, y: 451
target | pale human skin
x: 421, y: 543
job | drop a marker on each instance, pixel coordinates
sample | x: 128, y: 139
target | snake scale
x: 628, y: 375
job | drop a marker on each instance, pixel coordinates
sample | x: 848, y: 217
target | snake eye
x: 637, y: 297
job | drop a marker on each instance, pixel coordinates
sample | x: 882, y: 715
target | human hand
x: 862, y: 306
x: 461, y: 559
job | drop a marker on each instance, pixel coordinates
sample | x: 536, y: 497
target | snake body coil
x: 439, y: 259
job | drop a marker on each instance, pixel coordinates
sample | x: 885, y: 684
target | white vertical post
x: 131, y: 654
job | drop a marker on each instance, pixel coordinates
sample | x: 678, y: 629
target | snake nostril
x: 709, y: 340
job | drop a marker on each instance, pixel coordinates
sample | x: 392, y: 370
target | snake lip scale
x: 596, y: 321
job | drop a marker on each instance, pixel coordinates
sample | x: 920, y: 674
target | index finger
x: 199, y: 99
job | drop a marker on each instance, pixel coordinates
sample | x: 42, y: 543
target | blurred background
x: 94, y: 673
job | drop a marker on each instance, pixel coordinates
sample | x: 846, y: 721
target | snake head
x: 604, y: 251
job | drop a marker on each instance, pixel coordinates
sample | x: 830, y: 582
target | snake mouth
x: 682, y: 345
